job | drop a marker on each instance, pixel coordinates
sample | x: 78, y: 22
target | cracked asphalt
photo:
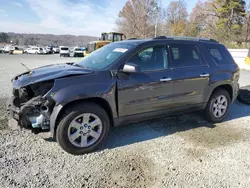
x: 180, y: 151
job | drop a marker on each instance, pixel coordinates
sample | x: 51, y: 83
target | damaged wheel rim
x: 85, y: 130
x: 220, y: 106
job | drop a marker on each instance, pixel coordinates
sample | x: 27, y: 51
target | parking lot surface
x: 180, y: 151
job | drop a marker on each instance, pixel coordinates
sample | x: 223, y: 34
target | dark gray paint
x: 135, y: 96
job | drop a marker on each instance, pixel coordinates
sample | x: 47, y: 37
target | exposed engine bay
x: 30, y: 108
x: 35, y: 92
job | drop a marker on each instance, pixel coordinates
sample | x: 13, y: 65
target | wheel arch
x: 226, y: 87
x: 61, y: 109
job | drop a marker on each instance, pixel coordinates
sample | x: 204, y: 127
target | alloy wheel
x: 85, y: 130
x: 220, y: 106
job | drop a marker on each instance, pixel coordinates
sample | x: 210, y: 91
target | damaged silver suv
x: 124, y: 82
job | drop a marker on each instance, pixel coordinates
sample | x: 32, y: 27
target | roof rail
x: 186, y: 38
x: 132, y: 39
x: 161, y: 37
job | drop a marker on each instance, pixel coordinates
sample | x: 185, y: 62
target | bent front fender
x: 76, y: 89
x: 53, y: 118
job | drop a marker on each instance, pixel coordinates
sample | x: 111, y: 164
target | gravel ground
x: 181, y: 151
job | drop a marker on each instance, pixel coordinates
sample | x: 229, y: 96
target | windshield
x: 64, y: 49
x: 106, y: 55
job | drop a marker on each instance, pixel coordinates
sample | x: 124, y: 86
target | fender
x: 76, y: 88
x: 219, y: 79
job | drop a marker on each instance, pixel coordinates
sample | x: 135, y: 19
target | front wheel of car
x: 83, y: 128
x: 218, y: 106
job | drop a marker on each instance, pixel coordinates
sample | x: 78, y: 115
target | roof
x: 171, y: 38
x: 186, y: 38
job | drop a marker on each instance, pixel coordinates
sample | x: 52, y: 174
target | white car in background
x: 64, y: 51
x: 7, y: 49
x: 78, y: 52
x: 46, y: 50
x: 35, y: 50
x: 1, y: 49
x: 56, y: 50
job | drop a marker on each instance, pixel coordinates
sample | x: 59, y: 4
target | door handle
x: 165, y: 79
x: 204, y: 75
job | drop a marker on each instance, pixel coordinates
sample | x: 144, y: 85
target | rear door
x: 191, y: 75
x: 150, y: 91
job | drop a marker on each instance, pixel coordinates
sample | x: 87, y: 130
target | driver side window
x: 150, y: 59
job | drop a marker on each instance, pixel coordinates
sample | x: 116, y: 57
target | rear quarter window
x: 220, y: 54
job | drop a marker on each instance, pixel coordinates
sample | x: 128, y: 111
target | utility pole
x: 156, y: 28
x: 156, y: 20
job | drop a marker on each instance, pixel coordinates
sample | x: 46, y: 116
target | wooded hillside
x: 45, y: 39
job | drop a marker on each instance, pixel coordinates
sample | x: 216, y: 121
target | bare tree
x: 136, y: 19
x: 176, y: 17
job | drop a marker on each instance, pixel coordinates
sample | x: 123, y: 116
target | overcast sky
x: 77, y: 17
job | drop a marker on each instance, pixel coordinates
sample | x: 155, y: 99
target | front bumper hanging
x: 32, y: 115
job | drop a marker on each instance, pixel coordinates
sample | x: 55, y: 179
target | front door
x: 150, y: 90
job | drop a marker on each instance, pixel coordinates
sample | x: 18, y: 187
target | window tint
x: 220, y: 54
x: 152, y: 58
x: 185, y: 55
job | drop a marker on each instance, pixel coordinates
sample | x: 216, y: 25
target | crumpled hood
x: 48, y: 73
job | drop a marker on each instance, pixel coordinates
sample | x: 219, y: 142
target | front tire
x: 83, y: 128
x: 218, y: 106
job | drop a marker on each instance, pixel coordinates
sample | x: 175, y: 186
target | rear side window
x: 185, y: 55
x: 220, y: 54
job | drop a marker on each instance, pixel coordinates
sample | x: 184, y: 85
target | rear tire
x: 218, y: 106
x: 85, y: 129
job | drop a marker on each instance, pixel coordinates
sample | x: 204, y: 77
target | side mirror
x: 131, y: 68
